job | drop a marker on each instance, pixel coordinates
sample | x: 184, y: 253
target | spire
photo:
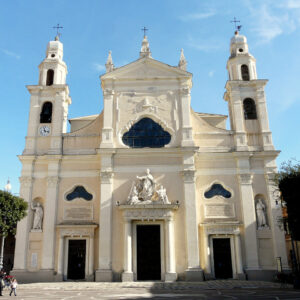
x: 109, y: 63
x: 145, y: 50
x: 182, y: 62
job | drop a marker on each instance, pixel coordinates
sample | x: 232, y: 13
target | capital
x: 188, y: 175
x: 108, y: 92
x: 245, y: 178
x: 52, y: 181
x: 106, y: 176
x: 26, y: 181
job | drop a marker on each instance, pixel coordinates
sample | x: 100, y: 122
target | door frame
x: 162, y: 247
x: 232, y: 250
x: 66, y: 255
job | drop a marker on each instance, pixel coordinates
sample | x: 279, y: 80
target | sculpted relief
x: 144, y: 191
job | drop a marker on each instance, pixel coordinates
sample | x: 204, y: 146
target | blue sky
x: 201, y: 28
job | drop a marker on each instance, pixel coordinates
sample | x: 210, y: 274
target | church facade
x: 149, y: 189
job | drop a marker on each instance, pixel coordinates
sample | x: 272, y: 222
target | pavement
x: 214, y: 289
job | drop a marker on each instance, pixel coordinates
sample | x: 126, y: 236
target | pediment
x: 146, y: 68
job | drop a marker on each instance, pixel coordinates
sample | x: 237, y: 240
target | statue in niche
x: 38, y: 216
x: 261, y: 214
x: 143, y: 191
x: 162, y: 195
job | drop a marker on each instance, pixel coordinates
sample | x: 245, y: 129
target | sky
x: 93, y: 27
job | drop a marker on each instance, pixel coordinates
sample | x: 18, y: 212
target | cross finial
x: 57, y: 27
x: 237, y: 27
x: 144, y: 29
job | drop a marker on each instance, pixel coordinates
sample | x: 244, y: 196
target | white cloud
x: 197, y: 16
x: 292, y: 4
x: 98, y: 67
x: 211, y: 73
x: 10, y: 53
x: 270, y: 20
x: 203, y: 45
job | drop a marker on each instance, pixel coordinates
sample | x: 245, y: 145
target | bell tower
x: 246, y: 99
x: 48, y: 104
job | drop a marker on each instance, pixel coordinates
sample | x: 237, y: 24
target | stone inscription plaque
x: 34, y: 260
x: 78, y: 213
x: 219, y: 211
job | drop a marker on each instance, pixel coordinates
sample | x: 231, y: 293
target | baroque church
x: 149, y: 189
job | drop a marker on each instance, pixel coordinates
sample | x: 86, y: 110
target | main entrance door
x: 76, y: 259
x: 222, y: 258
x: 148, y: 252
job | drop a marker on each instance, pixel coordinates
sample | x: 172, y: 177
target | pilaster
x: 23, y: 227
x: 104, y: 273
x: 249, y: 217
x: 127, y: 274
x: 276, y: 215
x: 171, y: 274
x: 107, y: 130
x: 50, y: 215
x: 193, y: 272
x: 187, y: 132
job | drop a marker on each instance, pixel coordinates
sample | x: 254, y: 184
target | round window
x: 241, y: 50
x: 52, y: 55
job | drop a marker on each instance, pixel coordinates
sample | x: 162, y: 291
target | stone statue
x: 162, y: 195
x: 261, y: 214
x: 146, y: 186
x: 133, y: 197
x: 38, y: 216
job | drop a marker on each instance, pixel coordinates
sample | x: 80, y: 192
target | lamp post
x: 2, y: 248
x: 7, y: 188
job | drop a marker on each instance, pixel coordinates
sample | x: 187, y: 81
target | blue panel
x: 79, y: 192
x: 217, y: 190
x: 146, y: 133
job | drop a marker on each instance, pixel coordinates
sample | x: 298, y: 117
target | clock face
x: 44, y: 130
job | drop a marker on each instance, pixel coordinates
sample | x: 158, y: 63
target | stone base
x: 170, y: 277
x: 126, y: 276
x: 24, y: 276
x: 241, y: 276
x: 104, y: 275
x: 194, y: 274
x: 264, y: 275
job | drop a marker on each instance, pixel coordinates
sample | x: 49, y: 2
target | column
x: 23, y: 228
x: 104, y: 273
x: 91, y: 255
x: 278, y: 237
x: 238, y: 256
x: 171, y: 274
x: 249, y: 218
x: 193, y: 272
x: 49, y: 224
x: 60, y: 256
x: 127, y: 274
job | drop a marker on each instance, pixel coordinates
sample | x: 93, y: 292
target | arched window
x: 146, y: 133
x: 50, y: 77
x: 46, y: 113
x: 245, y: 72
x: 249, y: 109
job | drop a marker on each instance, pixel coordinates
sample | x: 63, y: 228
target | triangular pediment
x: 146, y: 68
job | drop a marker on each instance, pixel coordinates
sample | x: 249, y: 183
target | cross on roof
x: 237, y: 27
x: 144, y: 29
x: 57, y: 27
